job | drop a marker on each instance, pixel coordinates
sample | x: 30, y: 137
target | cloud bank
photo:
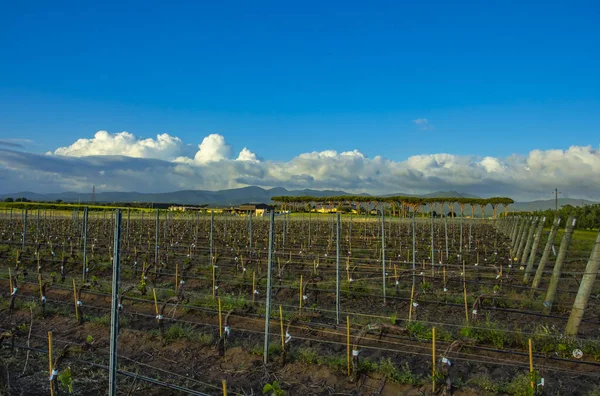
x: 124, y: 162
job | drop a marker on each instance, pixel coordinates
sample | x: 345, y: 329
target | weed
x: 484, y: 383
x: 307, y: 355
x: 273, y: 389
x: 404, y: 376
x: 205, y: 339
x: 520, y: 386
x: 177, y: 332
x: 65, y: 379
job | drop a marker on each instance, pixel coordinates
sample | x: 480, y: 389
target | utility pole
x: 556, y: 192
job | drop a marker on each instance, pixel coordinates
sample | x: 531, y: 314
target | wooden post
x: 281, y: 325
x: 546, y: 254
x: 444, y: 274
x: 155, y: 301
x: 531, y: 363
x: 348, y: 342
x: 560, y: 258
x: 75, y: 299
x: 585, y: 290
x: 50, y: 367
x: 10, y: 280
x: 40, y: 285
x: 433, y: 359
x: 224, y: 387
x: 220, y: 319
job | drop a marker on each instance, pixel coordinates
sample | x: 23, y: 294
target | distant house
x: 258, y: 209
x: 203, y: 209
x: 327, y: 208
x: 183, y: 208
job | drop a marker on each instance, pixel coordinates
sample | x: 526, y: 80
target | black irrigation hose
x: 333, y: 326
x: 208, y: 310
x: 530, y: 313
x: 123, y: 373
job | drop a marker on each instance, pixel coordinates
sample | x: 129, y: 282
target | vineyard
x: 391, y: 303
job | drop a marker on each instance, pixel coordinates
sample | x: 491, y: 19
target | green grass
x: 582, y: 240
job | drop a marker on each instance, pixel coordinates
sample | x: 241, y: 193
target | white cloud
x: 124, y: 143
x: 247, y: 155
x: 423, y: 124
x: 213, y: 148
x: 122, y: 162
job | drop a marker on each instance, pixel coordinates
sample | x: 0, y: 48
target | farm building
x: 327, y: 208
x: 258, y: 209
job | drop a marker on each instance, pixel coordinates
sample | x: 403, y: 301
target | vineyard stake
x: 382, y: 249
x: 534, y: 249
x: 220, y: 318
x: 465, y: 293
x: 410, y: 307
x: 75, y: 299
x: 460, y: 239
x: 523, y: 236
x: 156, y: 239
x: 212, y: 228
x: 527, y: 248
x: 446, y: 237
x: 269, y: 273
x: 176, y: 276
x: 250, y: 233
x: 253, y: 286
x: 562, y: 253
x: 85, y: 230
x: 155, y: 301
x: 114, y: 320
x: 585, y: 290
x: 50, y: 368
x: 348, y: 341
x: 300, y: 300
x: 224, y: 387
x: 432, y: 248
x: 281, y: 326
x: 540, y: 269
x: 337, y: 272
x: 433, y: 359
x: 531, y: 364
x: 414, y: 255
x: 214, y: 289
x: 24, y: 229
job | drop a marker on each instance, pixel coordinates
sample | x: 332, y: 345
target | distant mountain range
x: 252, y: 194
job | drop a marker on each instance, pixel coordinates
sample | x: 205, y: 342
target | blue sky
x: 491, y: 79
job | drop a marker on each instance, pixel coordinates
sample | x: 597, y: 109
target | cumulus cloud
x: 213, y: 148
x: 164, y: 164
x: 124, y: 143
x: 247, y: 155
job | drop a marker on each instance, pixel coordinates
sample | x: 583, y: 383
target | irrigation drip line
x: 450, y: 278
x: 121, y: 356
x: 125, y: 373
x: 292, y: 308
x: 342, y: 335
x: 315, y: 324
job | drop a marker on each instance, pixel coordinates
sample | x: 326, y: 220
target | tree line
x: 588, y: 216
x: 398, y: 205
